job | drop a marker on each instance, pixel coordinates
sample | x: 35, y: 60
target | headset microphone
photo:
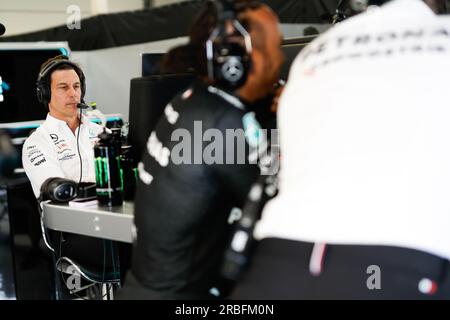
x: 82, y: 105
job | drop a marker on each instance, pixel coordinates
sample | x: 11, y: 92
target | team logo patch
x: 252, y: 129
x: 54, y: 137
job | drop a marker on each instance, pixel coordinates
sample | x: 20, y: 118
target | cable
x: 104, y: 261
x: 78, y: 148
x: 114, y: 260
x: 45, y: 237
x: 109, y: 286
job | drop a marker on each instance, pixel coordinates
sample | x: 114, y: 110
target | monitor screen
x: 150, y: 63
x: 19, y: 69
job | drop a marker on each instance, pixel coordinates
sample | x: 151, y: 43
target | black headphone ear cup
x: 228, y: 48
x: 82, y: 84
x: 58, y: 189
x: 42, y: 92
x: 39, y: 94
x: 231, y: 65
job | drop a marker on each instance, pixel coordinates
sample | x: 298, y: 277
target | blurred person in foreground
x: 363, y: 208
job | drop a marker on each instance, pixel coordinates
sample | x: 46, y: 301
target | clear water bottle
x: 107, y: 171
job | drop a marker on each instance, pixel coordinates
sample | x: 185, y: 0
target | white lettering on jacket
x: 157, y: 150
x: 171, y: 114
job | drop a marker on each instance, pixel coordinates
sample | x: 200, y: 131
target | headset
x: 228, y: 48
x: 64, y: 190
x: 58, y: 190
x: 2, y: 29
x: 43, y: 90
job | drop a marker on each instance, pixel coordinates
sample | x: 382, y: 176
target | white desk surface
x: 115, y: 223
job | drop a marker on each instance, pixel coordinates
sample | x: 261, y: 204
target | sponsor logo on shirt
x: 54, y: 137
x: 62, y: 146
x: 33, y: 152
x: 67, y: 157
x: 40, y: 162
x: 31, y: 147
x: 34, y: 158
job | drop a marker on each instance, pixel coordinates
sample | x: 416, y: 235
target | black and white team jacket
x: 190, y: 183
x: 51, y: 151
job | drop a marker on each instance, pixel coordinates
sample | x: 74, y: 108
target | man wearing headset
x: 52, y: 150
x: 363, y: 208
x: 182, y: 210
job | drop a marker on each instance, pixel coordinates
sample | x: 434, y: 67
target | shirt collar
x: 54, y: 122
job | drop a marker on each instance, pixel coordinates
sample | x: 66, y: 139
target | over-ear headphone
x: 228, y: 48
x: 58, y: 190
x: 43, y: 90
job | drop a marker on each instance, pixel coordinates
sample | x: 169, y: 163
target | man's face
x: 65, y: 94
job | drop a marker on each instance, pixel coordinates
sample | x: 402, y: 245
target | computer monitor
x: 150, y: 63
x: 19, y: 67
x: 148, y: 98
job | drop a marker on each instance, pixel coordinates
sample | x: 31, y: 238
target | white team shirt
x: 365, y: 133
x: 51, y: 151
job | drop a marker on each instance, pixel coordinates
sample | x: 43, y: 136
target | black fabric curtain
x: 132, y: 27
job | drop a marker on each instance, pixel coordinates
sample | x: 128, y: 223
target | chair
x: 100, y: 281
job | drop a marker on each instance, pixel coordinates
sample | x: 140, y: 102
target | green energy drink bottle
x: 107, y: 171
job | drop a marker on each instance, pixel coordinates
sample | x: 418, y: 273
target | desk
x: 114, y: 223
